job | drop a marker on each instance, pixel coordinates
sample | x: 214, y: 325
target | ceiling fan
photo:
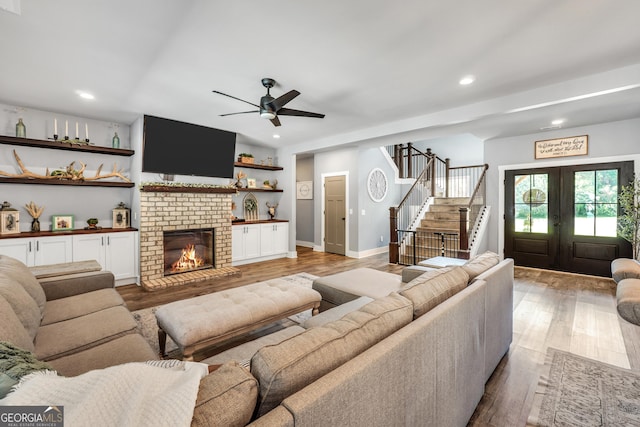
x: 270, y: 108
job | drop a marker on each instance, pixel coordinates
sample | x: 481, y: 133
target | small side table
x: 441, y: 262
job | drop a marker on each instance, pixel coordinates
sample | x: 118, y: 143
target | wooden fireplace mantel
x: 185, y: 189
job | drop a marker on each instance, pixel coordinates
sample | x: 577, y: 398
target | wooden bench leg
x: 162, y: 342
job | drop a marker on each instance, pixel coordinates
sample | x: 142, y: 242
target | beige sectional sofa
x: 419, y: 356
x: 75, y: 322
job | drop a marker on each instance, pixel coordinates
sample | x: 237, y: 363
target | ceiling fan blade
x: 281, y: 101
x: 275, y: 121
x: 241, y: 112
x: 290, y: 112
x: 224, y: 94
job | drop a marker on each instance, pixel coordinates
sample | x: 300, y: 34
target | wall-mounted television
x: 178, y: 148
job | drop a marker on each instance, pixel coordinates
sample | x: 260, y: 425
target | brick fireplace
x: 168, y: 209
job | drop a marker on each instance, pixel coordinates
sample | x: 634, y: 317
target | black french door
x: 565, y: 218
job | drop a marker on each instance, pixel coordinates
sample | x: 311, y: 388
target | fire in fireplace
x: 188, y: 250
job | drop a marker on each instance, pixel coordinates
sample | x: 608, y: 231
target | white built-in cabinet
x: 259, y: 242
x: 115, y: 252
x: 34, y: 251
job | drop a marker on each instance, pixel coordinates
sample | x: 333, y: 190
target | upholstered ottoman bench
x: 200, y: 322
x: 341, y: 288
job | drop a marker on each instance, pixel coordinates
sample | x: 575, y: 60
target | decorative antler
x: 115, y: 173
x: 25, y: 173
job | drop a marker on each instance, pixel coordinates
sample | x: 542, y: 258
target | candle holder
x: 86, y: 140
x: 55, y: 137
x: 66, y: 137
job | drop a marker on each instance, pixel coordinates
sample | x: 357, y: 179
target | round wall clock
x: 377, y: 185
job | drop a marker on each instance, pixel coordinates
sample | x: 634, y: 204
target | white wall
x: 305, y: 215
x: 615, y: 141
x: 463, y: 150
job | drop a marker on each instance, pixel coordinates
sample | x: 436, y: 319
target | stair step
x: 442, y: 215
x: 446, y: 208
x: 446, y: 224
x: 451, y: 201
x: 438, y: 229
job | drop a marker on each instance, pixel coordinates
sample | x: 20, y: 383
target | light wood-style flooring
x: 569, y: 312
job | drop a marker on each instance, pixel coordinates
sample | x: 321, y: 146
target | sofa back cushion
x: 11, y: 328
x: 433, y: 287
x: 20, y: 272
x: 23, y: 305
x: 285, y: 368
x: 479, y: 264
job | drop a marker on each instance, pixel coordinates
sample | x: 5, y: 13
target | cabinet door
x: 88, y: 247
x: 53, y: 250
x: 237, y: 242
x: 252, y: 241
x: 120, y: 254
x: 21, y: 249
x: 267, y: 242
x: 281, y: 238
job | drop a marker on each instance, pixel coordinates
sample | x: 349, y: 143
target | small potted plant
x: 245, y: 158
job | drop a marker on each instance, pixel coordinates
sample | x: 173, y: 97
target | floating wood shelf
x: 255, y: 166
x: 66, y: 232
x: 266, y: 190
x: 40, y: 181
x: 60, y: 145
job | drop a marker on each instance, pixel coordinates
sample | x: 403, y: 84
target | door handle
x: 343, y: 219
x: 37, y: 245
x: 29, y: 246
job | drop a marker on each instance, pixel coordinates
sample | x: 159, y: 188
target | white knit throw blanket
x: 133, y: 394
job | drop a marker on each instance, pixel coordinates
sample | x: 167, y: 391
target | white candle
x: 66, y: 128
x: 86, y: 131
x: 55, y: 126
x: 77, y: 133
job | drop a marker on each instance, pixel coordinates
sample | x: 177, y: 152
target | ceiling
x: 379, y: 70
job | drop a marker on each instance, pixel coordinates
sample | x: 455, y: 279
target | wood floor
x: 569, y: 312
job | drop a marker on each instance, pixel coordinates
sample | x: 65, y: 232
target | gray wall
x: 82, y: 202
x: 305, y: 217
x: 607, y: 142
x: 463, y: 150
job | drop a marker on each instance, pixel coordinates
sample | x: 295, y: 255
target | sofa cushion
x: 624, y: 268
x: 226, y: 397
x: 348, y: 285
x: 16, y: 363
x: 79, y: 305
x: 20, y: 272
x: 628, y: 300
x: 74, y: 335
x: 433, y: 287
x: 11, y: 329
x: 126, y: 349
x: 335, y: 313
x: 285, y: 368
x: 23, y: 305
x: 480, y: 263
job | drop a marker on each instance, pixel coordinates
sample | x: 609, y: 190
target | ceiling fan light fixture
x: 265, y: 114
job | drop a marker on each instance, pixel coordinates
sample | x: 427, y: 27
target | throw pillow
x: 16, y: 363
x: 20, y: 272
x: 23, y: 305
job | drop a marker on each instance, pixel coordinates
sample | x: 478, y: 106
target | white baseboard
x: 292, y: 254
x: 368, y: 252
x: 305, y: 244
x: 318, y: 248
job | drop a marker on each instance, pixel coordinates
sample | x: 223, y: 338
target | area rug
x: 148, y: 327
x: 576, y: 391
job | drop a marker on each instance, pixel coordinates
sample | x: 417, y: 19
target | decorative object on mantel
x: 245, y: 158
x: 70, y: 172
x: 9, y: 219
x: 240, y: 176
x: 233, y: 207
x: 250, y: 204
x: 182, y: 187
x: 21, y: 129
x: 93, y: 224
x: 35, y: 213
x: 562, y: 147
x: 121, y: 216
x: 272, y: 210
x: 61, y: 222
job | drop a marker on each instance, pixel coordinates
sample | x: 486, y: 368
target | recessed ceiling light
x: 557, y: 122
x: 467, y: 80
x: 85, y: 95
x: 276, y: 136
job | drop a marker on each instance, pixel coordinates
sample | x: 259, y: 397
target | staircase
x: 440, y: 211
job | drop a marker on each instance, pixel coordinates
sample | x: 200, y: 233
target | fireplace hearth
x: 188, y: 250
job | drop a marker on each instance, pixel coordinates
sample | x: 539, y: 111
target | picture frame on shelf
x: 61, y: 222
x: 251, y: 183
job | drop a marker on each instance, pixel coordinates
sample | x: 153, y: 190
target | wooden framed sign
x: 562, y: 147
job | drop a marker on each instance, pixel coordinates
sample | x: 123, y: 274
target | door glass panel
x: 596, y: 203
x: 531, y: 207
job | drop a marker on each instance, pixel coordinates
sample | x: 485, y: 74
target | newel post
x: 410, y: 160
x: 464, y: 235
x: 432, y: 171
x: 393, y: 235
x: 447, y: 163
